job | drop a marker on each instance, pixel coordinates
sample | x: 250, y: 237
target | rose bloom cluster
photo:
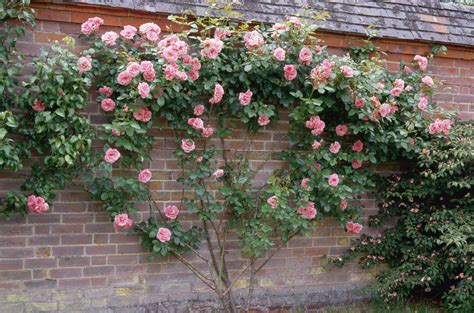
x: 37, y: 204
x: 440, y: 126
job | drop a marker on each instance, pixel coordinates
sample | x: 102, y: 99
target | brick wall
x: 72, y: 259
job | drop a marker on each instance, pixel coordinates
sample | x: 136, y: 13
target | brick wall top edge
x: 77, y: 13
x: 417, y: 20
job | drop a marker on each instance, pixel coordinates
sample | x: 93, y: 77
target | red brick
x: 40, y: 263
x: 71, y: 261
x: 67, y: 229
x: 66, y: 251
x: 65, y: 273
x: 53, y: 15
x: 99, y: 270
x: 98, y: 250
x: 50, y: 240
x: 76, y: 239
x: 6, y: 265
x: 74, y: 282
x: 12, y: 242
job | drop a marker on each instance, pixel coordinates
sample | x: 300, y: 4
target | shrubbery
x: 430, y: 249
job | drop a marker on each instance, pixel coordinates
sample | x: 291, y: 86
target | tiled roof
x: 426, y: 20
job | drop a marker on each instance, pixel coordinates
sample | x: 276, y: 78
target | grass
x: 419, y: 307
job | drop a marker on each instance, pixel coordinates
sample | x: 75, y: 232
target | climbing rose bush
x: 344, y: 115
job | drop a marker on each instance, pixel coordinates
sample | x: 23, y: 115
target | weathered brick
x: 40, y: 263
x: 66, y: 272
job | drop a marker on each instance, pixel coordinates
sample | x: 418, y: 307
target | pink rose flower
x: 423, y: 103
x: 422, y: 62
x: 321, y: 73
x: 109, y: 38
x: 170, y: 71
x: 280, y: 26
x: 196, y: 123
x: 212, y: 48
x: 149, y: 76
x: 347, y: 71
x: 309, y: 211
x: 115, y: 132
x: 106, y: 91
x: 199, y: 158
x: 407, y: 69
x: 207, y: 131
x: 317, y: 165
x: 124, y: 78
x: 385, y: 109
x: 316, y: 144
x: 399, y: 83
x: 121, y: 221
x: 335, y: 147
x: 359, y: 103
x: 143, y: 90
x: 356, y: 164
x: 171, y: 212
x: 253, y: 40
x: 428, y: 81
x: 163, y: 234
x: 395, y: 92
x: 222, y: 33
x: 143, y: 114
x: 353, y: 228
x: 91, y: 25
x: 245, y: 97
x: 341, y: 130
x: 37, y: 204
x: 304, y: 183
x: 294, y: 21
x: 133, y: 68
x: 151, y: 31
x: 38, y: 106
x: 218, y: 173
x: 408, y: 88
x: 305, y: 56
x: 111, y: 155
x: 343, y: 204
x: 199, y: 110
x: 333, y: 180
x: 279, y: 54
x: 193, y: 75
x: 273, y: 202
x: 128, y: 32
x: 84, y: 64
x: 357, y: 146
x: 187, y: 145
x: 146, y: 66
x: 170, y: 55
x: 144, y: 176
x: 398, y: 86
x: 316, y: 124
x: 290, y: 72
x: 263, y: 120
x: 107, y: 104
x: 181, y: 75
x: 195, y: 64
x: 218, y: 94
